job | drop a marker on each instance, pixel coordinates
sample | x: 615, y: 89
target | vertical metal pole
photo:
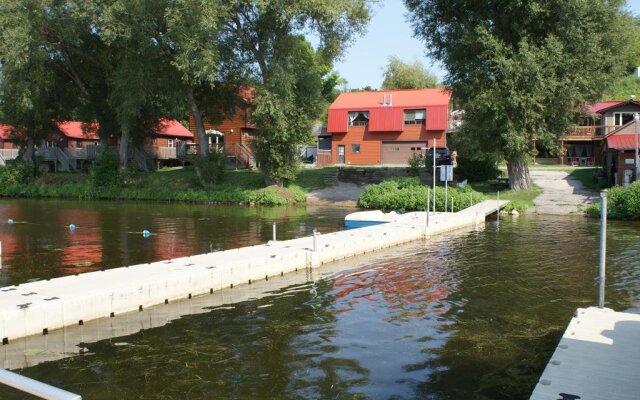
x: 315, y: 240
x: 274, y: 230
x: 434, y: 176
x: 470, y: 199
x: 428, y: 205
x: 446, y: 188
x: 498, y: 209
x: 636, y: 118
x: 603, y: 247
x: 452, y: 204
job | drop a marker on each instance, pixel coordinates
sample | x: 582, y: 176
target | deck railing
x: 590, y: 132
x: 9, y: 154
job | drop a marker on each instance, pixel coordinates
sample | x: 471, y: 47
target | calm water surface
x: 475, y: 315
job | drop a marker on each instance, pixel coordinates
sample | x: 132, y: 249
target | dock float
x: 36, y: 308
x: 598, y: 358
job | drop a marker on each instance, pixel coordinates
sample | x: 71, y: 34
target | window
x: 415, y: 117
x: 622, y: 118
x: 170, y: 143
x: 78, y: 143
x: 154, y: 141
x: 359, y: 118
x: 355, y: 148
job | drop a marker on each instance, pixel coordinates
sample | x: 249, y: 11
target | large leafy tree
x: 522, y: 70
x: 401, y: 75
x: 266, y: 39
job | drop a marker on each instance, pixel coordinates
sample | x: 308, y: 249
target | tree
x: 266, y: 38
x: 401, y: 75
x: 623, y: 89
x: 522, y: 69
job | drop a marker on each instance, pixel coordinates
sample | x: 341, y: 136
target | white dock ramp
x: 598, y: 358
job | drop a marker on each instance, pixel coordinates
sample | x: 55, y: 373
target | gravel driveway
x: 561, y: 194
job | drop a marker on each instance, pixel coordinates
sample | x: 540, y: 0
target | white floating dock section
x: 598, y: 358
x: 42, y: 306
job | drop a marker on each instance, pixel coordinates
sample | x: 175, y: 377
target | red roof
x: 602, y: 105
x: 5, y: 131
x: 396, y: 98
x: 79, y: 130
x: 173, y: 128
x: 621, y: 142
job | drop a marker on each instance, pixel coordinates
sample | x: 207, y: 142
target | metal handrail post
x: 36, y: 388
x: 603, y: 247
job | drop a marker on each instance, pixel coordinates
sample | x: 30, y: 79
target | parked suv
x: 443, y: 155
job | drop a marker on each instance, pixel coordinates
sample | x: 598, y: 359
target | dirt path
x: 341, y: 195
x: 561, y: 194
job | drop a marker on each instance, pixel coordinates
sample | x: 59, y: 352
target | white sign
x: 628, y: 161
x: 446, y: 173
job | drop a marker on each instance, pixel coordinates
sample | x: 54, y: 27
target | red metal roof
x: 397, y: 98
x: 79, y: 130
x: 5, y: 131
x: 603, y: 105
x: 621, y: 142
x: 173, y: 128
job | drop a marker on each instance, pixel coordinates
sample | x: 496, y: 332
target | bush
x: 622, y: 203
x: 416, y: 161
x: 105, y: 172
x: 211, y: 170
x: 16, y: 172
x: 478, y: 169
x: 409, y: 194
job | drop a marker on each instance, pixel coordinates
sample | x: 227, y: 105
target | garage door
x: 400, y: 152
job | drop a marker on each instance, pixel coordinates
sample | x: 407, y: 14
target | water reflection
x: 474, y: 315
x: 39, y: 245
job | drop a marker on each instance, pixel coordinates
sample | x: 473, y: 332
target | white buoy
x: 146, y: 233
x: 9, y: 221
x: 72, y: 227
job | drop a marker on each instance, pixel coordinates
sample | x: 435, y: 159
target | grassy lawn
x: 587, y: 176
x: 519, y: 199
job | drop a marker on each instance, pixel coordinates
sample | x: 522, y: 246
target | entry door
x: 341, y: 159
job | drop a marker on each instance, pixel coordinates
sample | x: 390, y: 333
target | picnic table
x: 500, y: 183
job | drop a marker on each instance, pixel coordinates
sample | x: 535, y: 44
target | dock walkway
x: 42, y: 306
x: 598, y: 358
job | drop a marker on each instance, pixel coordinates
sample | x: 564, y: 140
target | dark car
x: 443, y: 155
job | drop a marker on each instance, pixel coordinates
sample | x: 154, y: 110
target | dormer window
x: 359, y: 118
x: 415, y: 117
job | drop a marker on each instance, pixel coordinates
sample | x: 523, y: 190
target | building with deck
x: 387, y: 127
x: 8, y: 148
x: 584, y: 145
x: 619, y: 148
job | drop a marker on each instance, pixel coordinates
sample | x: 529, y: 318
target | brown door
x: 341, y: 157
x: 400, y: 152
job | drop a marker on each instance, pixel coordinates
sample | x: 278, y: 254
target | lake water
x: 474, y: 315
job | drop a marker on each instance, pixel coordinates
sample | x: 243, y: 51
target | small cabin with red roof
x: 387, y: 127
x: 619, y: 153
x: 8, y: 148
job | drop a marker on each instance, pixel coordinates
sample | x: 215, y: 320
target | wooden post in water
x: 603, y: 247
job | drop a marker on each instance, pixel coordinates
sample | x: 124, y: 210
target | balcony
x: 587, y: 133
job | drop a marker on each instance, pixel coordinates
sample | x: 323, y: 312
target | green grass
x: 518, y: 199
x: 587, y: 176
x: 175, y: 184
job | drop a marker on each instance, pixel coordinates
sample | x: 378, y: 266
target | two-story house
x: 387, y: 127
x: 584, y: 146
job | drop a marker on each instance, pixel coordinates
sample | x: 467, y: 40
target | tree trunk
x: 124, y: 147
x: 203, y: 147
x: 29, y: 152
x: 519, y: 178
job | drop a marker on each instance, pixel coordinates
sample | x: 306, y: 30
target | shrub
x: 478, y: 169
x: 622, y: 203
x: 211, y: 169
x: 416, y: 161
x: 16, y: 172
x: 104, y: 172
x: 407, y: 194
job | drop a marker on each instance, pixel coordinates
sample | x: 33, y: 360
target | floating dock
x: 42, y: 306
x: 598, y: 358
